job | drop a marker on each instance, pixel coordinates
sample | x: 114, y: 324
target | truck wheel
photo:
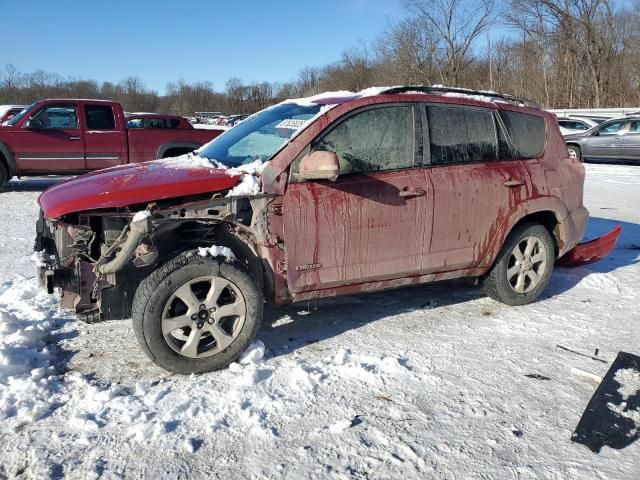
x: 523, y: 267
x: 4, y: 175
x: 196, y: 314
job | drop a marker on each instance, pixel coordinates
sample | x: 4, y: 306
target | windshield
x: 16, y: 118
x: 260, y: 136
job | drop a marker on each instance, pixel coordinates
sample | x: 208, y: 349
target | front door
x: 51, y: 140
x: 607, y: 141
x: 631, y: 142
x: 370, y: 223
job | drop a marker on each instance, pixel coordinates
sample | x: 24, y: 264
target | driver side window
x: 373, y: 140
x: 612, y: 128
x: 58, y: 116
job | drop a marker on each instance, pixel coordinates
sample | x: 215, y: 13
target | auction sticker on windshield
x: 291, y: 123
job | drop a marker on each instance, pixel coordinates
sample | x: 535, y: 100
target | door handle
x: 409, y: 192
x: 513, y: 183
x: 75, y: 137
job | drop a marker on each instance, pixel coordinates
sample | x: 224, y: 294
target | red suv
x: 317, y: 197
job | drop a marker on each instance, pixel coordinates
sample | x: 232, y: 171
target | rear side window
x: 527, y: 133
x: 135, y: 123
x: 157, y: 123
x: 373, y: 140
x: 99, y: 117
x: 461, y: 135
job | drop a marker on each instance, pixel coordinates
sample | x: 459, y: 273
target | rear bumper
x: 591, y: 251
x: 571, y: 230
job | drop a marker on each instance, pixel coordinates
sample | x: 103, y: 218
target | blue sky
x: 197, y: 40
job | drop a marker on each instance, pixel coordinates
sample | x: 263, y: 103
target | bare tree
x: 566, y: 53
x: 457, y: 25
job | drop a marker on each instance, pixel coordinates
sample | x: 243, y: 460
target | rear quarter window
x: 527, y: 133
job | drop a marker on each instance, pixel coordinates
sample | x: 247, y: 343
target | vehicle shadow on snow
x: 311, y: 322
x: 626, y: 252
x: 31, y: 184
x: 314, y: 321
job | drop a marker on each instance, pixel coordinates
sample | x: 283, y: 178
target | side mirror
x: 319, y: 165
x: 29, y: 124
x: 595, y: 133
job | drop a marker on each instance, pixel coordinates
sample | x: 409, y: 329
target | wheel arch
x: 575, y: 145
x: 548, y: 213
x: 224, y: 234
x: 183, y: 146
x: 547, y: 219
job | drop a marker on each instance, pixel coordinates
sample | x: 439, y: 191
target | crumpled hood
x: 132, y: 184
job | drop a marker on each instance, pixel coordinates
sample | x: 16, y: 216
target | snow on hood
x: 188, y: 161
x: 250, y: 183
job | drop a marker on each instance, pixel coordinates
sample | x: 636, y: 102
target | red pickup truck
x: 77, y: 136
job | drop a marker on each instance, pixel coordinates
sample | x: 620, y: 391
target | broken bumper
x: 591, y: 251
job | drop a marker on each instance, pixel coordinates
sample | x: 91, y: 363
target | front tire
x: 575, y: 151
x: 523, y: 268
x: 4, y: 175
x: 196, y: 314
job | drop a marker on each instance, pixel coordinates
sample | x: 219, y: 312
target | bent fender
x: 591, y: 251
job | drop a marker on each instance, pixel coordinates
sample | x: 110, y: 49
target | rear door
x: 631, y: 142
x: 104, y: 139
x: 475, y: 184
x: 606, y: 141
x: 51, y: 140
x: 370, y: 223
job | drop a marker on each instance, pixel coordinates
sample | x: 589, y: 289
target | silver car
x: 614, y: 140
x: 571, y: 125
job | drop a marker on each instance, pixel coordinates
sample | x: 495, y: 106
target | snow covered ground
x: 422, y: 382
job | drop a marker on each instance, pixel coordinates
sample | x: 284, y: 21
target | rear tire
x: 575, y: 150
x: 196, y: 314
x: 523, y: 268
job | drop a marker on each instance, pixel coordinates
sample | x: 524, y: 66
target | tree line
x: 558, y: 53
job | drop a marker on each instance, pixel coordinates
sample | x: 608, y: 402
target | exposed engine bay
x: 98, y: 258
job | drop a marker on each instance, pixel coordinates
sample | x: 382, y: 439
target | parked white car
x: 571, y: 125
x: 7, y: 112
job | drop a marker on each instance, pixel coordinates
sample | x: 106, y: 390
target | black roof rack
x: 464, y: 91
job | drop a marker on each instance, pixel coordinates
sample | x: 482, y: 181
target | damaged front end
x: 97, y: 259
x: 86, y: 257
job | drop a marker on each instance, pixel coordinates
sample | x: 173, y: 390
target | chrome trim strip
x: 50, y: 158
x: 101, y: 158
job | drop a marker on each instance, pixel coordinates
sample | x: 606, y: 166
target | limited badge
x: 311, y: 266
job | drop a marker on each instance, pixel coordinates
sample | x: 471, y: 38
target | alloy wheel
x: 203, y: 316
x: 527, y: 265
